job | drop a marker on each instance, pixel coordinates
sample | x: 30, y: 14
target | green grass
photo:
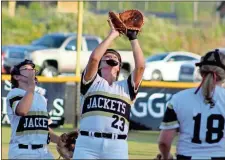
x: 142, y: 144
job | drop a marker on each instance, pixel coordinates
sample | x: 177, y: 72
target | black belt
x: 182, y: 157
x: 103, y: 135
x: 33, y: 146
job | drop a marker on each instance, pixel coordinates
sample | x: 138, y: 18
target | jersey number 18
x: 218, y: 130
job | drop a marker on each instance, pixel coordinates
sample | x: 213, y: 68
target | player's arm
x: 139, y: 63
x: 53, y: 137
x: 24, y: 104
x: 92, y: 66
x: 168, y: 128
x: 135, y: 78
x: 165, y: 141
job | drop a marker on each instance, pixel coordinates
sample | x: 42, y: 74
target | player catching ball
x: 106, y: 102
x: 199, y: 114
x: 29, y: 119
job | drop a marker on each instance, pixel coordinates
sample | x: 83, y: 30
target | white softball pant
x: 17, y: 153
x: 100, y: 148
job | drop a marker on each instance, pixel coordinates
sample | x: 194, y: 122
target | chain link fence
x: 198, y: 13
x: 178, y: 12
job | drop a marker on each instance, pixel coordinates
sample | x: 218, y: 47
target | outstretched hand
x: 113, y: 31
x: 31, y: 80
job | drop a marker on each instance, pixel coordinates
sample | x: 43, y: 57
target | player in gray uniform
x: 199, y: 116
x: 106, y: 102
x: 27, y: 111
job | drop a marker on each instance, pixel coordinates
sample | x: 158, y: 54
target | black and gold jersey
x: 32, y: 128
x: 106, y: 108
x: 201, y: 126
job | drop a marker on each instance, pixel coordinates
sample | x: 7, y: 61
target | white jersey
x: 106, y: 108
x: 202, y: 128
x: 32, y: 128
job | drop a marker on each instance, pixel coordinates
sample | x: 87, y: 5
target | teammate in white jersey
x: 199, y: 116
x: 106, y: 102
x: 29, y: 119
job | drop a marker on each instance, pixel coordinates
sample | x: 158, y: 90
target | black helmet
x: 16, y: 71
x: 215, y: 62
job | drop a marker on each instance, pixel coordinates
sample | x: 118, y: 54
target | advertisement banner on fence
x: 53, y: 92
x: 146, y: 113
x: 148, y: 110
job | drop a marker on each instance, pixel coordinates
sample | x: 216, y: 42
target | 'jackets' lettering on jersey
x: 106, y: 104
x: 34, y: 122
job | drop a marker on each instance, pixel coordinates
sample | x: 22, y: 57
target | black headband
x: 216, y: 62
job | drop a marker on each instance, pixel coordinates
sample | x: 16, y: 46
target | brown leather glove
x: 66, y: 145
x: 127, y: 22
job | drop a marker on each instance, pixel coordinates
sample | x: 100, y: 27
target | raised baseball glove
x: 127, y: 20
x: 66, y: 145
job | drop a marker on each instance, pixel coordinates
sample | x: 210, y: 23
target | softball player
x: 106, y: 102
x: 27, y: 111
x: 200, y: 116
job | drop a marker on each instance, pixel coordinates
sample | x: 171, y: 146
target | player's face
x: 110, y: 56
x: 107, y: 69
x: 24, y: 71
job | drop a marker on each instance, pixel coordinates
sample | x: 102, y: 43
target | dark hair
x: 16, y: 71
x: 112, y: 51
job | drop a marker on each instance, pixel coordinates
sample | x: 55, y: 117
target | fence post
x: 146, y: 5
x: 172, y: 7
x: 98, y: 5
x: 120, y: 6
x: 79, y: 43
x: 195, y: 9
x: 12, y: 8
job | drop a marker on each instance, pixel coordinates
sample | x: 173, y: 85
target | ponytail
x: 208, y: 88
